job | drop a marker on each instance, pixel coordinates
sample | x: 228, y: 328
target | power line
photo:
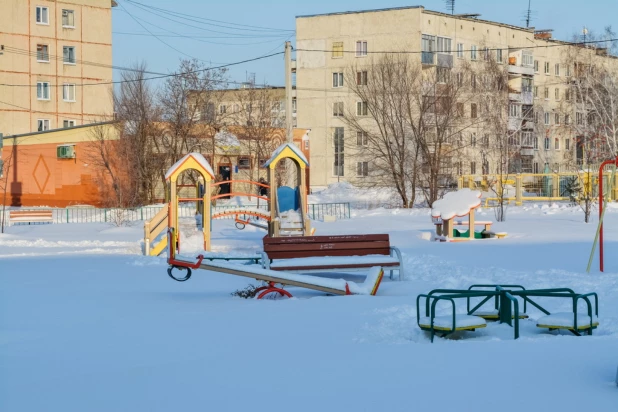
x: 192, y: 18
x: 38, y: 111
x: 163, y: 76
x: 197, y: 36
x: 465, y: 50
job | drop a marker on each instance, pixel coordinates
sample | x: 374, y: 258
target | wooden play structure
x: 287, y: 206
x: 450, y: 212
x: 507, y: 301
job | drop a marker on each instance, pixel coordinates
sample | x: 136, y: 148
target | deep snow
x: 87, y: 324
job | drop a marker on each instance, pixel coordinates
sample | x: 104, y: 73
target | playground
x: 96, y: 325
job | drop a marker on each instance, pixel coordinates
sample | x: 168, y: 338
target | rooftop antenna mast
x: 528, y: 14
x: 450, y: 6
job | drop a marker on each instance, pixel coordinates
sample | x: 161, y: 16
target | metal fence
x: 110, y: 215
x: 531, y: 187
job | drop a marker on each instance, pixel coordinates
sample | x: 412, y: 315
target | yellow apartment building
x: 538, y: 72
x: 53, y: 55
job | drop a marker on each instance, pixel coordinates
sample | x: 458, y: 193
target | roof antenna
x: 450, y: 6
x: 528, y: 14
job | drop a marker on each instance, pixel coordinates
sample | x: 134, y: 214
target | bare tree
x: 407, y: 119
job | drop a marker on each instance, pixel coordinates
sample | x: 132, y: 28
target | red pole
x: 607, y: 162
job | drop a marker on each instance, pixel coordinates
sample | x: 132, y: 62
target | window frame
x: 362, y: 78
x: 36, y: 15
x: 557, y: 69
x: 337, y: 80
x: 337, y: 50
x: 37, y: 53
x: 44, y: 86
x: 339, y: 156
x: 546, y: 144
x: 460, y: 51
x: 361, y: 137
x: 244, y: 167
x: 473, y: 52
x: 43, y: 122
x: 69, y: 62
x: 547, y: 119
x: 362, y: 51
x: 362, y: 105
x: 336, y: 112
x: 546, y: 68
x: 72, y: 13
x: 364, y: 169
x: 71, y: 123
x: 67, y: 87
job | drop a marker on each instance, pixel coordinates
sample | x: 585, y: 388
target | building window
x: 42, y: 125
x: 42, y: 53
x: 568, y: 70
x: 473, y: 52
x: 535, y: 141
x: 338, y: 109
x: 338, y: 143
x: 579, y: 118
x: 442, y: 74
x: 485, y: 141
x: 68, y: 92
x: 473, y: 81
x: 499, y: 56
x: 42, y: 15
x: 547, y: 119
x: 557, y: 144
x: 536, y: 66
x: 361, y: 78
x: 567, y: 144
x: 557, y: 69
x: 472, y: 168
x: 557, y: 118
x: 514, y: 110
x: 460, y: 79
x: 460, y: 50
x: 361, y: 108
x: 473, y: 110
x: 337, y: 49
x: 546, y: 67
x: 361, y: 138
x: 337, y: 79
x: 444, y: 45
x: 362, y: 169
x: 546, y: 143
x: 42, y: 90
x: 535, y: 167
x: 486, y: 53
x: 567, y: 119
x: 68, y: 18
x: 567, y: 95
x: 222, y: 109
x: 68, y: 55
x: 244, y: 162
x: 428, y: 47
x: 546, y: 93
x: 361, y: 48
x: 527, y: 59
x: 68, y: 123
x: 536, y: 91
x: 473, y: 140
x: 460, y: 109
x: 557, y: 93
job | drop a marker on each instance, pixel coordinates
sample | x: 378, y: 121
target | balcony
x: 521, y: 70
x: 445, y: 60
x: 428, y: 58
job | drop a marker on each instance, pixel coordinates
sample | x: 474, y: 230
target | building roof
x: 360, y: 11
x: 295, y: 151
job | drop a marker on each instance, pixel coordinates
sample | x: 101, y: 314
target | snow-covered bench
x: 31, y: 216
x: 320, y: 253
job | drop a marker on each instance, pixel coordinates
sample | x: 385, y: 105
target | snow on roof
x: 198, y: 158
x: 292, y: 147
x: 457, y: 203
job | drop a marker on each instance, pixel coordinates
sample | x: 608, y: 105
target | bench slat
x: 325, y: 239
x: 341, y: 266
x: 19, y: 214
x: 331, y: 252
x: 318, y: 247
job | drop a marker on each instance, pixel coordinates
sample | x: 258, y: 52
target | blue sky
x: 564, y: 16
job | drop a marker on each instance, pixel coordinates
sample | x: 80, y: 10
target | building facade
x: 54, y: 54
x: 540, y: 113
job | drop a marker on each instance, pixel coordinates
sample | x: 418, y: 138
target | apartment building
x: 53, y: 53
x: 538, y: 67
x: 248, y: 105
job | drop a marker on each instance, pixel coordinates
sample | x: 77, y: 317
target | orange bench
x: 31, y: 216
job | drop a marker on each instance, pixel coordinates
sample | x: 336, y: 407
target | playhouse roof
x: 297, y: 152
x: 458, y: 203
x: 198, y: 158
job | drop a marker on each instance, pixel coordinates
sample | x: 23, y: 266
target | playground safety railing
x: 117, y: 215
x: 535, y: 187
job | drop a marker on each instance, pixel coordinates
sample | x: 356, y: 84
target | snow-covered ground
x: 87, y: 324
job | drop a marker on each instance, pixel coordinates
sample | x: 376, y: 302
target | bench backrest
x: 30, y: 214
x: 319, y: 246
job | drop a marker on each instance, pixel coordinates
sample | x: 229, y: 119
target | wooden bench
x: 31, y: 216
x: 486, y: 224
x: 320, y: 253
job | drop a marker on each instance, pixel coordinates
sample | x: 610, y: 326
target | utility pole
x: 289, y: 119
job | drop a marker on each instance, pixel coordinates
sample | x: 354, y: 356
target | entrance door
x: 226, y: 174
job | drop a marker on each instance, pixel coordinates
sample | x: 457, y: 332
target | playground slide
x: 333, y: 286
x: 288, y: 211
